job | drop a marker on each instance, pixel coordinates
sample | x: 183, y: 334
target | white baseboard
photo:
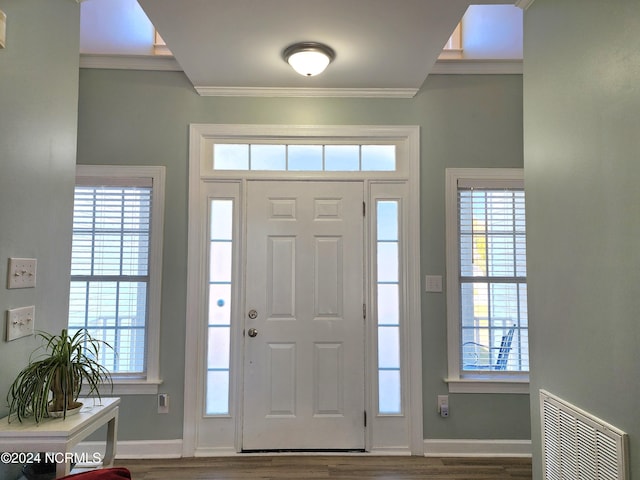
x: 391, y: 451
x: 138, y: 449
x: 215, y: 452
x: 477, y: 448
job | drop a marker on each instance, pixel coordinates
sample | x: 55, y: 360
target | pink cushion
x: 117, y: 473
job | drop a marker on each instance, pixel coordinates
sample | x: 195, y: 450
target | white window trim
x: 495, y: 382
x: 453, y: 48
x: 148, y: 384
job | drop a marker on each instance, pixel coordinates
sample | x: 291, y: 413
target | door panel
x: 304, y: 368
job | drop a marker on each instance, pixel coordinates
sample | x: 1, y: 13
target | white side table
x: 57, y: 435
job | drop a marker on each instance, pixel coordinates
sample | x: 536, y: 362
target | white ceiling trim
x: 306, y: 92
x: 129, y: 62
x: 524, y: 4
x: 477, y: 67
x: 168, y: 63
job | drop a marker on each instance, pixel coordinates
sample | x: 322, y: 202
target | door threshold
x: 307, y: 451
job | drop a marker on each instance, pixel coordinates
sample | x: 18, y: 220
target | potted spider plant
x: 50, y: 385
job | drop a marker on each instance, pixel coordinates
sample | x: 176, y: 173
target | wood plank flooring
x: 278, y: 467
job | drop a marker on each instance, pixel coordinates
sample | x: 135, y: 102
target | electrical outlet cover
x: 163, y: 403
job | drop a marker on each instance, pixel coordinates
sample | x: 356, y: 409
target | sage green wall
x: 38, y: 119
x: 582, y: 168
x: 135, y: 117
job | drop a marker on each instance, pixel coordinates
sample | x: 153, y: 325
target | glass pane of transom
x: 342, y: 158
x: 230, y: 156
x: 268, y: 157
x: 305, y: 157
x: 378, y: 158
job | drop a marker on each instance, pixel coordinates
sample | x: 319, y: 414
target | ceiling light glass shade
x: 308, y: 58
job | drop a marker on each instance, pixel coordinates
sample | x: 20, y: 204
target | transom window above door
x: 300, y: 157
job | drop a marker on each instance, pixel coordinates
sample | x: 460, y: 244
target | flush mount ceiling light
x: 308, y: 58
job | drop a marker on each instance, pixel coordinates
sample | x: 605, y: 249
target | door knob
x: 253, y: 332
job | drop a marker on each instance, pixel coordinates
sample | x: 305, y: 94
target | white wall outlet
x: 21, y: 273
x: 20, y: 322
x: 433, y: 283
x: 443, y: 405
x: 163, y: 403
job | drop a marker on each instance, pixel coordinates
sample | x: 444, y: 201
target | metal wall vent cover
x: 578, y: 445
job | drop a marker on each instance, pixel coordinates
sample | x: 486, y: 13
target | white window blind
x: 492, y: 276
x: 110, y: 267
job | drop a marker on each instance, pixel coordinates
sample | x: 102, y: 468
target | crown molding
x: 129, y: 62
x: 169, y: 63
x: 477, y: 67
x: 306, y: 92
x: 523, y: 4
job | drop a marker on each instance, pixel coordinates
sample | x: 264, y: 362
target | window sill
x: 488, y: 384
x: 122, y: 386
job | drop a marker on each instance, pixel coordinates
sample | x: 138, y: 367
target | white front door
x: 304, y: 326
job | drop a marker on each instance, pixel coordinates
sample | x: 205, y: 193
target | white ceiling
x: 383, y: 46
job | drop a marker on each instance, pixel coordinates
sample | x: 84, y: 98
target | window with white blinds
x: 493, y: 285
x: 491, y: 275
x: 111, y: 280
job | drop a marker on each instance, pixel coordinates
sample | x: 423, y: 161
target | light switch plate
x: 433, y: 283
x: 20, y: 322
x: 21, y: 273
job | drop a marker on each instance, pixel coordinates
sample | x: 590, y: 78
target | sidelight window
x: 388, y: 307
x: 219, y: 314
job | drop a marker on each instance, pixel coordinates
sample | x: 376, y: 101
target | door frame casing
x: 204, y: 183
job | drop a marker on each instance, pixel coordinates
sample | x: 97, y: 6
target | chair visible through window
x: 475, y: 353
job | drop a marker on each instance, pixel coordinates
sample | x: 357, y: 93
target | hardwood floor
x: 294, y: 467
